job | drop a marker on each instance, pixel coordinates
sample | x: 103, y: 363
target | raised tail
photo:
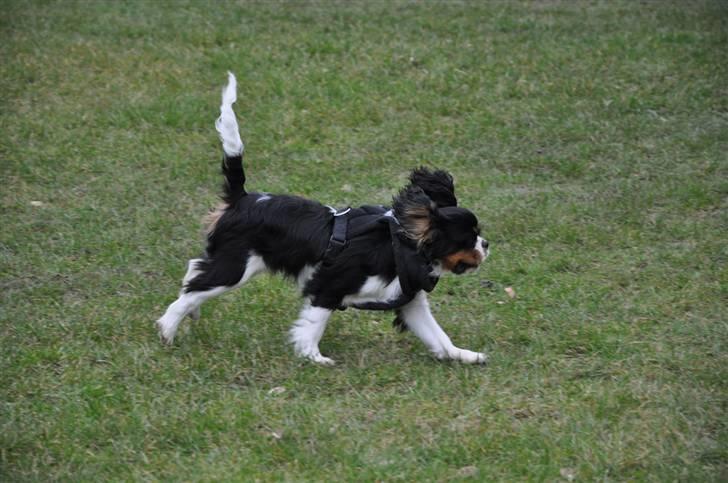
x: 232, y: 145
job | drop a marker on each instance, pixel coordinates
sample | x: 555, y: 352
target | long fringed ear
x: 438, y: 185
x: 416, y: 214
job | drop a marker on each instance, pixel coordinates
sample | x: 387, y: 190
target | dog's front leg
x: 307, y: 331
x: 419, y: 320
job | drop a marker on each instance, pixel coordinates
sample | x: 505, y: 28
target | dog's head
x: 428, y: 213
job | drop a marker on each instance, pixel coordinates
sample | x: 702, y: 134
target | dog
x: 371, y: 257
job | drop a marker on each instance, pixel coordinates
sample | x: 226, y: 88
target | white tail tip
x: 226, y: 124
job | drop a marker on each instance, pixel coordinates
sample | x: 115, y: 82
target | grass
x: 591, y: 138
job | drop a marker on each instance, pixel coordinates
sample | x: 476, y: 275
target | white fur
x: 479, y: 247
x: 263, y: 197
x: 189, y: 303
x: 420, y: 321
x: 305, y: 275
x: 375, y: 289
x: 226, y: 124
x: 186, y: 303
x: 254, y: 266
x: 437, y: 270
x: 307, y: 331
x: 192, y: 272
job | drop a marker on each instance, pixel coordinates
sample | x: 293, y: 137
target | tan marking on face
x: 471, y: 257
x: 210, y: 220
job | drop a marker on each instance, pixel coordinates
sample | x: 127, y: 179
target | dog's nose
x: 484, y: 244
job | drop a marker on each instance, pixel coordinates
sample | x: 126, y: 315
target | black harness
x: 413, y: 267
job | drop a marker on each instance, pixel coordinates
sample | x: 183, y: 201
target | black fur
x: 449, y: 229
x: 457, y: 228
x: 398, y: 323
x: 290, y: 232
x: 437, y: 185
x: 234, y: 176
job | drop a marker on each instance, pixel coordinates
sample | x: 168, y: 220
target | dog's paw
x: 470, y: 357
x: 465, y: 356
x: 324, y: 361
x: 195, y: 314
x: 166, y: 337
x: 317, y: 358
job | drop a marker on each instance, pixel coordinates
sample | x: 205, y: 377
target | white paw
x: 166, y: 336
x: 470, y: 357
x: 465, y: 356
x: 195, y: 314
x: 316, y: 357
x: 319, y: 359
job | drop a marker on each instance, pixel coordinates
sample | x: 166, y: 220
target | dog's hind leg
x: 187, y: 303
x: 208, y: 278
x: 192, y: 272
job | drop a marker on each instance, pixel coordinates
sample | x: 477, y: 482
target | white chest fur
x: 375, y: 289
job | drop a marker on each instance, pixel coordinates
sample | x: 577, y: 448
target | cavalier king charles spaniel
x: 371, y: 257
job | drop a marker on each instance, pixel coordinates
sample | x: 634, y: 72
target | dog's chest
x: 375, y: 289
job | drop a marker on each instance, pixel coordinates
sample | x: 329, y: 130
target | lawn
x: 591, y: 138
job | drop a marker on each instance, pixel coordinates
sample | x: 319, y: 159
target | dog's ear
x: 416, y: 214
x: 438, y: 185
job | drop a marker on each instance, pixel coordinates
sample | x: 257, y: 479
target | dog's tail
x: 232, y: 145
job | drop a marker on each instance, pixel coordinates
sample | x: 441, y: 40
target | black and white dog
x: 370, y: 257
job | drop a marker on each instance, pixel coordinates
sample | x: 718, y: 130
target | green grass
x: 591, y: 138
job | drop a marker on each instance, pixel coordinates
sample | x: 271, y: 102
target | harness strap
x: 338, y: 240
x: 412, y: 268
